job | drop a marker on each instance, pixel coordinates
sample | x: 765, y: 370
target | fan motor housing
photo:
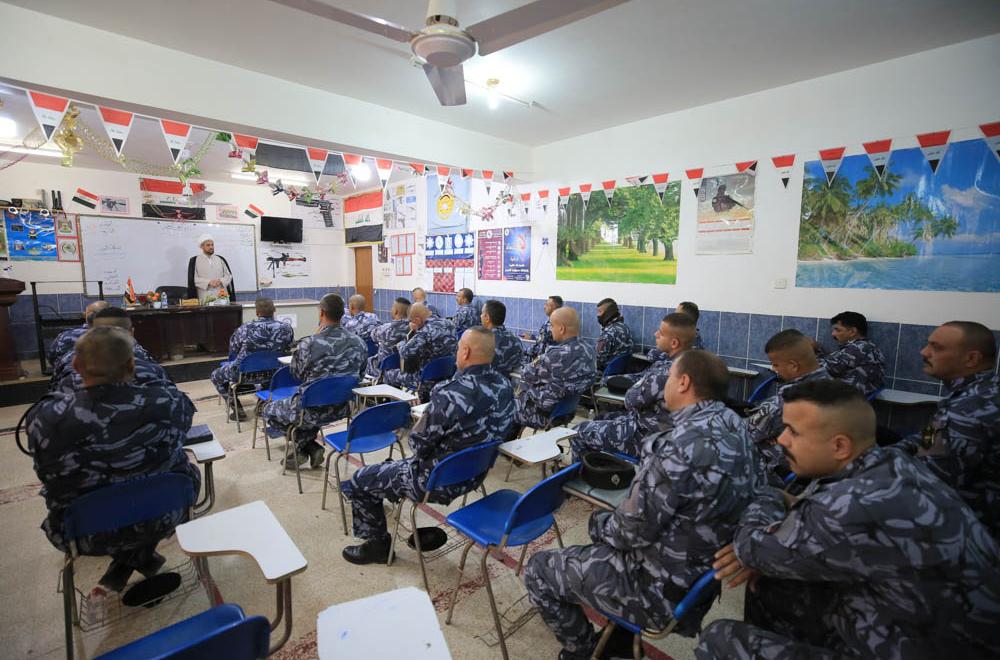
x: 443, y: 45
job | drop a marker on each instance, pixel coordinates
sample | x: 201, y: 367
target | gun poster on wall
x: 284, y: 265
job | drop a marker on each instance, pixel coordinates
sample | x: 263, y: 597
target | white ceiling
x: 640, y: 59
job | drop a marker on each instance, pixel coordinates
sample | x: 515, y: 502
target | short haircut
x: 106, y: 353
x: 784, y: 340
x: 402, y: 305
x: 708, y: 373
x: 689, y: 308
x: 358, y: 301
x: 977, y: 337
x: 557, y: 300
x: 264, y: 307
x: 485, y: 339
x: 467, y: 294
x: 418, y: 288
x: 403, y: 301
x: 680, y: 320
x: 607, y: 301
x: 93, y: 308
x: 496, y: 311
x: 852, y: 320
x: 853, y: 414
x: 115, y: 316
x: 332, y: 307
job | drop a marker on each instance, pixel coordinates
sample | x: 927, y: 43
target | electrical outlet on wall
x: 780, y: 283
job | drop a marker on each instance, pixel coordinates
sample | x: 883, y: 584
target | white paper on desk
x: 290, y: 319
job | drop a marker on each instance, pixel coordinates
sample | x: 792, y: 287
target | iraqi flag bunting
x: 352, y: 162
x: 660, y: 184
x: 117, y: 123
x: 784, y: 166
x: 526, y: 202
x: 85, y: 198
x: 49, y: 111
x: 694, y: 175
x: 253, y: 211
x: 992, y: 134
x: 585, y: 193
x: 247, y: 144
x: 466, y: 173
x: 609, y: 189
x: 384, y: 168
x: 444, y: 176
x: 543, y: 196
x: 418, y: 168
x: 934, y: 145
x: 508, y: 178
x: 830, y: 158
x: 878, y: 153
x: 176, y: 134
x: 317, y: 161
x: 488, y: 180
x: 748, y: 166
x: 563, y: 197
x: 636, y: 180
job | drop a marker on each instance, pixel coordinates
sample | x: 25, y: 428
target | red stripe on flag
x: 878, y: 146
x: 487, y: 174
x: 466, y: 172
x: 834, y: 153
x: 783, y: 161
x: 81, y: 191
x: 320, y: 154
x: 161, y: 186
x: 745, y: 165
x: 197, y: 187
x: 661, y: 178
x: 443, y: 170
x: 609, y: 185
x: 526, y: 197
x: 353, y: 159
x: 256, y: 210
x: 49, y: 102
x: 175, y: 128
x: 417, y: 167
x: 990, y: 130
x: 585, y: 187
x: 372, y: 200
x: 112, y: 116
x: 245, y: 141
x: 694, y: 173
x: 544, y: 194
x: 383, y: 163
x: 564, y: 192
x: 508, y: 174
x: 935, y: 139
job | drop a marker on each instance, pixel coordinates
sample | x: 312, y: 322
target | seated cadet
x: 429, y: 337
x: 65, y: 377
x: 687, y: 495
x: 508, y: 356
x: 857, y: 361
x: 644, y: 411
x: 615, y: 337
x: 961, y: 445
x: 107, y: 432
x: 330, y: 351
x: 543, y: 338
x: 567, y: 368
x: 691, y: 310
x: 66, y: 339
x: 794, y: 361
x: 261, y: 334
x: 388, y: 334
x: 876, y: 559
x: 420, y: 296
x: 467, y: 315
x: 475, y: 406
x: 357, y: 320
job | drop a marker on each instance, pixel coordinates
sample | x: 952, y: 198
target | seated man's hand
x: 728, y: 564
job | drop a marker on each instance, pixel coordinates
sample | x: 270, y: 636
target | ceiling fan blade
x: 360, y: 21
x: 448, y: 83
x: 531, y: 20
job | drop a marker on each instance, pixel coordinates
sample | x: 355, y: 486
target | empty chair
x: 174, y: 293
x: 283, y: 385
x: 615, y: 367
x: 564, y: 409
x: 255, y: 369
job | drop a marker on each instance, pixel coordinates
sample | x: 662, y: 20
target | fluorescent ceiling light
x: 8, y: 127
x: 45, y: 153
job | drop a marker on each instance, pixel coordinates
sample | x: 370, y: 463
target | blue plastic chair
x: 254, y: 369
x: 566, y: 407
x: 467, y: 465
x: 760, y: 390
x: 704, y: 588
x: 874, y: 395
x: 391, y: 361
x: 326, y: 391
x: 372, y: 429
x: 438, y: 369
x: 504, y: 519
x: 372, y: 347
x: 221, y: 632
x: 616, y: 366
x: 115, y: 507
x: 283, y: 385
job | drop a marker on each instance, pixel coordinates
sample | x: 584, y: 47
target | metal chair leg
x: 555, y: 525
x: 520, y: 560
x: 340, y: 490
x: 397, y: 513
x: 603, y: 641
x: 236, y: 404
x: 637, y: 647
x: 416, y: 545
x: 493, y: 604
x: 326, y: 479
x: 69, y: 606
x: 458, y: 581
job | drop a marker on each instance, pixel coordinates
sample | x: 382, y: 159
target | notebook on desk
x: 198, y: 433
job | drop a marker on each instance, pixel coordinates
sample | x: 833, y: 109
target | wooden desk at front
x: 209, y: 327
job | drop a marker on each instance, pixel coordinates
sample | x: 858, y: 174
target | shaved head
x: 419, y: 311
x: 357, y: 302
x: 568, y: 319
x: 93, y: 308
x: 105, y: 354
x: 477, y: 346
x: 791, y: 354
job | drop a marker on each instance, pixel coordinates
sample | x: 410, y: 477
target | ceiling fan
x: 442, y: 45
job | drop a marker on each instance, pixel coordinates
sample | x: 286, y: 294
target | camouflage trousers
x: 224, y: 375
x: 616, y: 432
x: 560, y: 582
x: 529, y: 414
x: 281, y: 414
x: 726, y: 639
x: 400, y: 378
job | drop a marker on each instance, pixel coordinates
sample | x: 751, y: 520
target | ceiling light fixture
x: 419, y: 63
x: 44, y: 153
x: 492, y: 95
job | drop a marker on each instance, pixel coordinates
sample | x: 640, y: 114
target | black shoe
x: 619, y: 645
x: 240, y: 413
x: 370, y: 552
x: 300, y: 459
x: 431, y: 538
x: 117, y: 575
x: 153, y: 565
x: 316, y: 456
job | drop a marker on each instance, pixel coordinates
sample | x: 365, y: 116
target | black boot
x: 372, y: 551
x: 239, y: 412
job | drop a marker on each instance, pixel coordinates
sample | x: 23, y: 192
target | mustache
x: 788, y: 455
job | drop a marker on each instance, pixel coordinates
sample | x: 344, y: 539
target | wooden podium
x: 9, y: 368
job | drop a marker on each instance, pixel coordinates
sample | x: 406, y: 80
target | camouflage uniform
x: 566, y: 369
x: 508, y: 356
x: 765, y: 423
x: 615, y: 339
x: 386, y: 336
x: 879, y: 560
x: 361, y: 324
x: 961, y: 445
x: 475, y: 406
x: 436, y: 338
x: 543, y: 340
x: 684, y: 504
x: 65, y: 342
x: 466, y: 317
x: 332, y: 351
x: 859, y: 363
x: 261, y: 334
x: 644, y: 413
x: 106, y: 434
x: 66, y: 379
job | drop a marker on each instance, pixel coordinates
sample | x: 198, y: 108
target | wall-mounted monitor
x: 274, y: 229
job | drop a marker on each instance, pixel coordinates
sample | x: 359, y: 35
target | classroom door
x: 363, y: 275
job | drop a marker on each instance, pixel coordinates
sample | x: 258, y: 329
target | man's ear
x: 843, y: 446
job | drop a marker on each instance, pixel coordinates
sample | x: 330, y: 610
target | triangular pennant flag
x: 609, y: 190
x: 351, y: 161
x: 992, y: 134
x: 317, y: 161
x: 694, y: 175
x: 585, y: 193
x: 384, y: 167
x: 784, y: 166
x: 507, y: 176
x: 443, y: 172
x: 830, y: 158
x: 934, y: 145
x: 418, y: 168
x: 526, y: 202
x: 117, y: 123
x: 488, y: 180
x: 660, y: 184
x: 176, y: 134
x: 247, y: 144
x: 748, y: 166
x: 878, y: 153
x: 466, y: 173
x: 563, y: 197
x: 253, y: 211
x: 49, y: 111
x: 543, y: 196
x: 636, y: 180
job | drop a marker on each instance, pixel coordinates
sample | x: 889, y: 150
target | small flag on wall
x: 660, y: 184
x: 253, y: 211
x: 934, y: 145
x: 878, y: 153
x: 526, y: 202
x: 443, y: 172
x: 748, y: 166
x: 317, y: 161
x: 563, y: 197
x: 784, y: 166
x: 694, y: 175
x: 992, y: 134
x: 49, y: 111
x: 543, y: 196
x: 488, y: 180
x: 384, y: 167
x: 84, y: 198
x: 176, y: 134
x: 117, y: 123
x: 830, y: 158
x: 248, y: 144
x: 609, y: 189
x: 585, y: 193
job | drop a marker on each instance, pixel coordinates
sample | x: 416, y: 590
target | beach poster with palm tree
x: 630, y: 239
x: 912, y: 229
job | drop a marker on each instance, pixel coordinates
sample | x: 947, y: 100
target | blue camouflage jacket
x: 859, y: 363
x: 508, y: 356
x: 362, y: 324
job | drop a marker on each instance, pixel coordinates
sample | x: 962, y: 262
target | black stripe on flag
x: 84, y: 201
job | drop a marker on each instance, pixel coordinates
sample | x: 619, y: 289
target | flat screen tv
x: 280, y: 230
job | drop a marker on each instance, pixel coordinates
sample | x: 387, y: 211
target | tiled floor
x: 31, y: 610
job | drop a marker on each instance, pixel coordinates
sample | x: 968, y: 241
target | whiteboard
x: 156, y: 252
